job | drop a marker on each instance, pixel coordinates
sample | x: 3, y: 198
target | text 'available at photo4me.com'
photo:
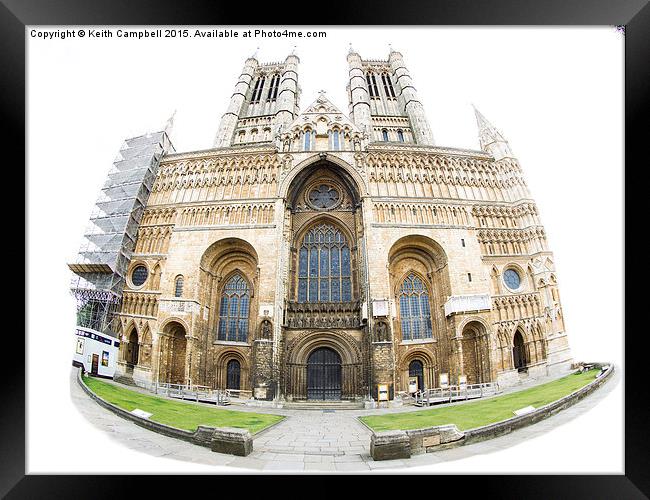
x: 146, y: 33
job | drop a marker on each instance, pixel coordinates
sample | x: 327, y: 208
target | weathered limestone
x: 232, y: 441
x: 397, y: 211
x: 433, y: 438
x: 390, y: 445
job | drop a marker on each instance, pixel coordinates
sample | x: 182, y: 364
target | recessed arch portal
x: 173, y: 348
x: 324, y: 374
x: 323, y: 207
x: 347, y: 357
x: 420, y: 284
x: 297, y: 176
x: 228, y: 273
x: 476, y: 352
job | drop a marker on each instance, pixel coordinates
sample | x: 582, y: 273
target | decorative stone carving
x: 266, y: 330
x: 323, y: 314
x: 382, y: 332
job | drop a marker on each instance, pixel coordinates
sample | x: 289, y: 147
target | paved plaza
x: 311, y: 440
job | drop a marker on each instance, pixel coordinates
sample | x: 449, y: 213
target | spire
x: 169, y: 126
x: 490, y: 138
x: 254, y: 56
x: 350, y: 49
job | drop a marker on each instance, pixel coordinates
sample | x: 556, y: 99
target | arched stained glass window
x: 400, y: 136
x: 324, y: 267
x: 414, y: 308
x: 384, y: 135
x: 233, y: 310
x: 178, y: 288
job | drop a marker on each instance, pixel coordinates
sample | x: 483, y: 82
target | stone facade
x: 310, y: 232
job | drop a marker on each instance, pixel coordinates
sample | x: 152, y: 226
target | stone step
x: 125, y: 380
x: 324, y: 405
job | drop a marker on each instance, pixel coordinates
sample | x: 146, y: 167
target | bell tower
x: 264, y: 102
x: 384, y: 102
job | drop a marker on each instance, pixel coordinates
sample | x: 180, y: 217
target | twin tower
x: 383, y: 102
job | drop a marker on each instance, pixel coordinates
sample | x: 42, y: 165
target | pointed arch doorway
x: 416, y: 369
x: 324, y: 375
x: 233, y: 375
x: 519, y: 352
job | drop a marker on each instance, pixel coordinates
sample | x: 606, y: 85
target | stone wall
x: 399, y: 444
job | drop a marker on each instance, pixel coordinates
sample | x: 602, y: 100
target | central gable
x: 327, y: 127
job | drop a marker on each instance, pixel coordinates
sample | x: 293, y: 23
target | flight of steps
x: 125, y: 380
x: 324, y: 405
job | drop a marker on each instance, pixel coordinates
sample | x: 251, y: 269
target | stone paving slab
x: 310, y: 441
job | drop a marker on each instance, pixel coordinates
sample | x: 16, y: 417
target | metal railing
x: 451, y: 393
x: 194, y: 392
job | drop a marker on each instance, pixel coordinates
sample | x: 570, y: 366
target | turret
x: 287, y: 93
x: 229, y: 119
x: 410, y: 101
x: 358, y: 93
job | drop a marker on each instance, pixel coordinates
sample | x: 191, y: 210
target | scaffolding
x: 109, y: 239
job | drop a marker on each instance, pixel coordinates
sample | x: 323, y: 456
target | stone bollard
x: 232, y: 441
x: 390, y: 445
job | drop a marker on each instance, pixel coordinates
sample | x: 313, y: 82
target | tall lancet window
x: 334, y: 134
x: 307, y: 140
x: 273, y: 88
x: 388, y: 85
x: 234, y: 309
x: 372, y: 85
x: 257, y: 90
x: 384, y: 135
x: 414, y: 309
x: 324, y: 266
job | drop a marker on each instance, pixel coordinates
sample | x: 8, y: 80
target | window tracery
x: 415, y: 310
x: 234, y: 309
x: 324, y: 266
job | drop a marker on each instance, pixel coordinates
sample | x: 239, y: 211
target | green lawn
x: 479, y: 413
x: 179, y: 414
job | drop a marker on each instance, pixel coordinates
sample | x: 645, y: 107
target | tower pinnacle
x: 490, y: 138
x: 169, y: 126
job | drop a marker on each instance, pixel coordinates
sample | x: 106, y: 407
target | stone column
x: 383, y: 367
x: 409, y: 100
x: 455, y: 371
x: 229, y: 119
x: 263, y: 383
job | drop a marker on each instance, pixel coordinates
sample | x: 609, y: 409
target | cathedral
x: 320, y: 255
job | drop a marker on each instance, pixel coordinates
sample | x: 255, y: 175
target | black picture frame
x: 633, y: 17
